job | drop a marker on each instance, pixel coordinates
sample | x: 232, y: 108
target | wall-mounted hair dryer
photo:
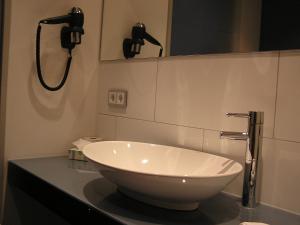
x: 133, y: 46
x: 70, y: 37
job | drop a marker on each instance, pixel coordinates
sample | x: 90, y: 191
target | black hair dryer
x: 132, y: 46
x: 70, y: 37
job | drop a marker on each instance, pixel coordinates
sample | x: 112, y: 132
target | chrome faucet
x: 253, y: 136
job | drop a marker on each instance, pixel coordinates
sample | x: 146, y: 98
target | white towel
x: 81, y: 142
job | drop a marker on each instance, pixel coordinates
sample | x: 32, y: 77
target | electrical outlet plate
x: 117, y: 98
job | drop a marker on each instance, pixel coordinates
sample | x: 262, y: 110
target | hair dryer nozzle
x: 57, y: 20
x: 74, y: 18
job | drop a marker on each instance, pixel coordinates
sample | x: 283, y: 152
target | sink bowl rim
x: 235, y: 172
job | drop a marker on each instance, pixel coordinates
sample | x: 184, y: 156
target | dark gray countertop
x: 81, y: 181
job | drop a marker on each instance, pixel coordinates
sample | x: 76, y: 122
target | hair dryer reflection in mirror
x: 132, y: 46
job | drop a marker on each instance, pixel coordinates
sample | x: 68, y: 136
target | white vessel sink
x: 163, y: 176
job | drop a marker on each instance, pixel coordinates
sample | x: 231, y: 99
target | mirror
x: 188, y: 27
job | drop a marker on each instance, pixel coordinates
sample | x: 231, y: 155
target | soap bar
x: 93, y: 139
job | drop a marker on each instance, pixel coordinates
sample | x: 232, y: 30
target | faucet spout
x: 253, y: 136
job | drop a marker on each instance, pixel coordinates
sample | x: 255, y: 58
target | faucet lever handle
x: 241, y: 115
x: 253, y: 116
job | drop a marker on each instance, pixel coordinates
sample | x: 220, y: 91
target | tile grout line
x: 184, y: 126
x: 276, y: 94
x: 159, y: 122
x: 285, y: 140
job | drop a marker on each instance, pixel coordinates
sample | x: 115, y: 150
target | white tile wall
x: 288, y: 104
x: 119, y: 128
x: 138, y: 78
x: 281, y: 174
x: 106, y: 127
x: 193, y: 93
x: 137, y: 130
x: 198, y: 91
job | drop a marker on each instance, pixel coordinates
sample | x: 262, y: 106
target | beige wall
x: 120, y: 16
x: 35, y: 122
x: 182, y: 101
x: 38, y: 122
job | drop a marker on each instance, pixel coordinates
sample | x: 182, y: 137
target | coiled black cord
x: 38, y: 65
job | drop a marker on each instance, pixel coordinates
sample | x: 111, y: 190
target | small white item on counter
x: 253, y: 223
x: 75, y: 153
x: 81, y: 142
